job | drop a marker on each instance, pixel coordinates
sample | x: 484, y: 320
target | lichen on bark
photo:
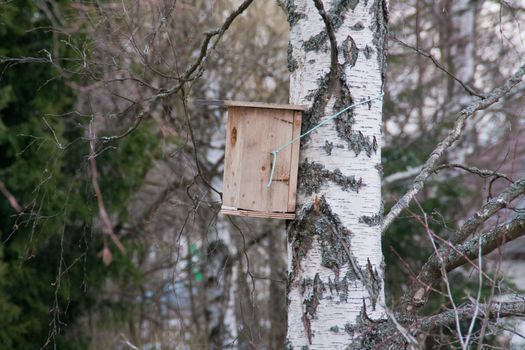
x: 319, y: 99
x: 359, y: 142
x: 328, y: 146
x: 292, y: 62
x: 312, y: 291
x: 350, y: 51
x: 320, y: 240
x: 339, y: 9
x: 290, y: 9
x: 379, y: 29
x: 316, y: 42
x: 371, y: 220
x: 313, y: 175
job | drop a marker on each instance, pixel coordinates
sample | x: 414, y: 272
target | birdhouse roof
x: 230, y: 103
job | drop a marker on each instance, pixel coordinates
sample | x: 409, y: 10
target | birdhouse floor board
x: 257, y: 214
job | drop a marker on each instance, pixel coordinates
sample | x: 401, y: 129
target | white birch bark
x: 463, y: 41
x: 335, y: 259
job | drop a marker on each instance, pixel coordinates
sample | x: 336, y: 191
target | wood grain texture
x: 233, y: 154
x: 294, y: 162
x: 265, y: 105
x: 258, y: 214
x: 263, y: 131
x: 251, y: 136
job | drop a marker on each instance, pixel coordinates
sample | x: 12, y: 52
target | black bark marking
x: 381, y: 334
x: 320, y: 99
x: 334, y: 65
x: 359, y: 142
x: 368, y: 51
x: 339, y: 9
x: 291, y: 12
x: 379, y: 11
x: 328, y: 146
x: 372, y: 220
x: 292, y: 62
x: 313, y: 289
x: 316, y: 42
x: 350, y: 51
x: 313, y: 175
x: 339, y: 287
x: 358, y: 26
x: 317, y: 221
x: 374, y: 281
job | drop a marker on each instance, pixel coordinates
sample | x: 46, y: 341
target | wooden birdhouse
x: 254, y: 131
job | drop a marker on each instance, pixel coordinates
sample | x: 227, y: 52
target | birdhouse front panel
x: 253, y: 133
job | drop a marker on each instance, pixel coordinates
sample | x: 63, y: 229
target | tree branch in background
x: 462, y: 253
x: 105, y: 222
x: 438, y: 65
x: 453, y: 135
x: 489, y: 209
x: 474, y: 170
x: 494, y: 311
x: 191, y: 73
x: 12, y: 200
x: 413, y: 171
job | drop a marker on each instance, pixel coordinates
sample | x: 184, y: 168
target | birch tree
x: 202, y: 282
x: 335, y: 277
x: 335, y: 281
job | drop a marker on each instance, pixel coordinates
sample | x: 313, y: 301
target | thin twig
x: 105, y: 221
x: 453, y: 135
x: 445, y: 280
x: 427, y: 54
x: 478, y: 298
x: 190, y: 74
x: 10, y: 198
x: 474, y: 170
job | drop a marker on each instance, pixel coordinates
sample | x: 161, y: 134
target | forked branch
x: 453, y: 135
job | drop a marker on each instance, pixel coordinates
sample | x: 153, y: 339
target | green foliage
x: 128, y: 163
x: 50, y: 268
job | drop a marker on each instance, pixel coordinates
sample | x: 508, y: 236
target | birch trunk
x: 335, y: 264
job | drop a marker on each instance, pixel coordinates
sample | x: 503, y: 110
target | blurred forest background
x: 110, y: 170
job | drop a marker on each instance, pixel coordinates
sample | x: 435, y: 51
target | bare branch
x: 453, y: 135
x: 190, y: 74
x: 105, y: 221
x: 12, y: 200
x: 438, y: 65
x: 23, y: 59
x: 489, y: 241
x: 489, y: 209
x: 449, y: 259
x: 474, y: 170
x: 492, y: 311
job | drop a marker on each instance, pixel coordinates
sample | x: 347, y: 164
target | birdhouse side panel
x: 264, y: 130
x: 233, y: 158
x: 294, y: 162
